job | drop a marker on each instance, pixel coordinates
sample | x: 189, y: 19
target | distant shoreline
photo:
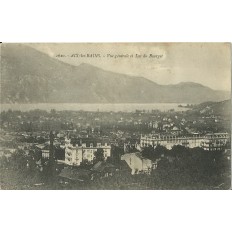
x: 103, y: 107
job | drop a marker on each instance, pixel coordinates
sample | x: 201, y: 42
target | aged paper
x: 115, y: 116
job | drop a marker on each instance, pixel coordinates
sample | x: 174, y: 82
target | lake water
x: 131, y: 107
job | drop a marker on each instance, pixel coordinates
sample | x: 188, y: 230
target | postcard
x: 115, y: 116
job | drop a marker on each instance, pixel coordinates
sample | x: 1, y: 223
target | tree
x: 116, y: 153
x: 148, y: 152
x: 99, y: 155
x: 85, y: 163
x: 163, y: 164
x: 160, y: 150
x: 179, y: 151
x: 3, y: 161
x: 53, y: 112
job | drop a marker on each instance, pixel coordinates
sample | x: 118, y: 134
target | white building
x: 137, y: 163
x: 216, y: 141
x: 83, y: 150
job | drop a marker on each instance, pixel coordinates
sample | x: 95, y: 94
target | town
x: 115, y: 150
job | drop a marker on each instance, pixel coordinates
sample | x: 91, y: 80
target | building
x: 216, y: 141
x: 137, y: 163
x: 102, y: 169
x: 81, y: 150
x: 44, y: 149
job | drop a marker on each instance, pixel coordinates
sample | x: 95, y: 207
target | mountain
x: 222, y: 108
x: 30, y: 76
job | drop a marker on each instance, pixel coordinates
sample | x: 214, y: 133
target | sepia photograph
x: 115, y: 116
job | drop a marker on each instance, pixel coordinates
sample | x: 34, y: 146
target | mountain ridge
x: 30, y: 76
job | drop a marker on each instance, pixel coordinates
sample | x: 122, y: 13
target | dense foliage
x: 179, y: 168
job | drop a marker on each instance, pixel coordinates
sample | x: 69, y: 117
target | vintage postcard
x: 117, y: 116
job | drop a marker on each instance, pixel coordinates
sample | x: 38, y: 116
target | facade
x: 137, y: 163
x: 44, y: 149
x: 216, y: 141
x: 45, y: 153
x: 83, y: 150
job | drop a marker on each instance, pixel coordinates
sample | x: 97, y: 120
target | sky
x: 164, y: 63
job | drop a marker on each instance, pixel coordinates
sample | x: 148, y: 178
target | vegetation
x: 179, y: 168
x: 99, y: 155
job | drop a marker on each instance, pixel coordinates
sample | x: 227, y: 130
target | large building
x: 137, y: 163
x: 215, y: 141
x: 82, y: 150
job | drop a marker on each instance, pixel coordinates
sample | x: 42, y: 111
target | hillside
x: 222, y: 108
x: 29, y: 76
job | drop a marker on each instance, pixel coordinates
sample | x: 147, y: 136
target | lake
x: 126, y: 107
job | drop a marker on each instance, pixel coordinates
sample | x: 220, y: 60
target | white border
x: 115, y: 21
